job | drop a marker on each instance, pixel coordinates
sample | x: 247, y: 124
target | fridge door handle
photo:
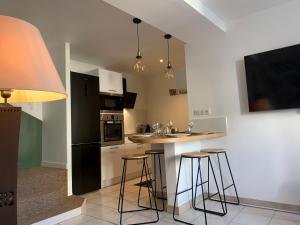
x: 90, y: 143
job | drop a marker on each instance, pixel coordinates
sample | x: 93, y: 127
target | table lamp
x: 27, y: 74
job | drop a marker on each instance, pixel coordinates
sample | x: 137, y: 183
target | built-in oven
x: 112, y: 127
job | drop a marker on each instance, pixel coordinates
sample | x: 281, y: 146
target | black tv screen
x: 273, y: 79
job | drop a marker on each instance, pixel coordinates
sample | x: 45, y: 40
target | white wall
x: 33, y: 109
x: 161, y: 106
x: 68, y: 116
x: 137, y: 115
x: 82, y: 67
x: 263, y: 147
x: 54, y: 117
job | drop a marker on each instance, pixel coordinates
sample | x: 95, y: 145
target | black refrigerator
x: 85, y: 114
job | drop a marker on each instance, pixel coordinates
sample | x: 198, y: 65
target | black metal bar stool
x: 145, y: 171
x: 217, y: 152
x: 156, y: 156
x: 198, y: 156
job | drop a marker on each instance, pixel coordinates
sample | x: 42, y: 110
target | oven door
x: 112, y: 132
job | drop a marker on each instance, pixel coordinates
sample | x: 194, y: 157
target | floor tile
x: 104, y: 213
x: 97, y: 222
x: 77, y: 220
x: 283, y: 222
x: 293, y: 217
x: 138, y: 219
x: 187, y: 216
x: 251, y: 219
x: 258, y: 211
x: 101, y: 209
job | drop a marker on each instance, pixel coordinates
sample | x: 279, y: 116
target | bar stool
x: 156, y: 156
x: 217, y: 152
x: 198, y: 156
x: 145, y: 171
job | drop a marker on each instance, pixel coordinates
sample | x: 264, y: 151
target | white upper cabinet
x: 110, y: 82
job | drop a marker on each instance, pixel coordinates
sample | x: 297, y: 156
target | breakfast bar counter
x: 173, y: 147
x: 167, y: 139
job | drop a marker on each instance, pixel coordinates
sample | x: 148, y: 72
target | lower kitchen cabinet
x: 112, y: 163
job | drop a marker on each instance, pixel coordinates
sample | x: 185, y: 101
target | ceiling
x: 229, y: 10
x: 99, y: 33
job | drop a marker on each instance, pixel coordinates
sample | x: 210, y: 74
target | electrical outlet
x: 202, y: 112
x: 196, y: 113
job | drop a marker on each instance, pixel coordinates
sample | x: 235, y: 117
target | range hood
x: 128, y: 97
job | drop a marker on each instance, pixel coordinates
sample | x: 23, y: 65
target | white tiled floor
x: 101, y: 209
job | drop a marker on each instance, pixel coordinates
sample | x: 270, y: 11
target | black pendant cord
x: 168, y: 52
x: 138, y: 39
x: 168, y: 37
x: 137, y: 21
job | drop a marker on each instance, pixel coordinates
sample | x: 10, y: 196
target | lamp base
x: 10, y: 118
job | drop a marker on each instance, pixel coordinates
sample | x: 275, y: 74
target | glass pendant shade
x: 139, y: 65
x: 169, y: 74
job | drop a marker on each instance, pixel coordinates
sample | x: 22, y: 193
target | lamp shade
x: 26, y: 67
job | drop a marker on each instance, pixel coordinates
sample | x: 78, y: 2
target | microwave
x: 111, y: 102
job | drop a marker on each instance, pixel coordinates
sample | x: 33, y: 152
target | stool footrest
x: 181, y: 221
x: 181, y: 192
x: 210, y: 196
x: 227, y: 202
x: 228, y: 187
x: 137, y: 210
x: 209, y: 211
x: 198, y: 185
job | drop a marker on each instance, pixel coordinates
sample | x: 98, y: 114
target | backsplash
x: 132, y: 117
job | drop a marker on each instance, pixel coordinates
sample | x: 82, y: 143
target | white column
x: 172, y: 159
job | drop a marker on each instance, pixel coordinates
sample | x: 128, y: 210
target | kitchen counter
x: 166, y: 139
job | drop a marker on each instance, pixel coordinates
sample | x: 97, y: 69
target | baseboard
x: 268, y: 205
x: 117, y: 180
x: 54, y: 165
x: 60, y: 218
x: 243, y: 201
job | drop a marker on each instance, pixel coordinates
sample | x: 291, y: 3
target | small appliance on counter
x: 112, y: 127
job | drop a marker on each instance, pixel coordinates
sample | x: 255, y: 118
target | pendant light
x: 139, y: 65
x: 169, y: 74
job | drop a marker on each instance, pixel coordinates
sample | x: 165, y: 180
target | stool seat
x: 213, y: 150
x: 154, y: 151
x: 194, y: 155
x: 135, y: 156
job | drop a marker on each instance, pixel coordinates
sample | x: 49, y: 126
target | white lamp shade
x: 26, y: 67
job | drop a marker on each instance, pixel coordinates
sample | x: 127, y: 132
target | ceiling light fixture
x: 169, y: 74
x: 139, y: 65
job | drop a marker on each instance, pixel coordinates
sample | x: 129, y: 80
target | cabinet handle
x: 112, y: 90
x: 114, y: 147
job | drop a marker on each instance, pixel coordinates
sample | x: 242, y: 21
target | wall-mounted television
x: 273, y: 79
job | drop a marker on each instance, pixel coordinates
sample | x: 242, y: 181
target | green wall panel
x: 30, y: 142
